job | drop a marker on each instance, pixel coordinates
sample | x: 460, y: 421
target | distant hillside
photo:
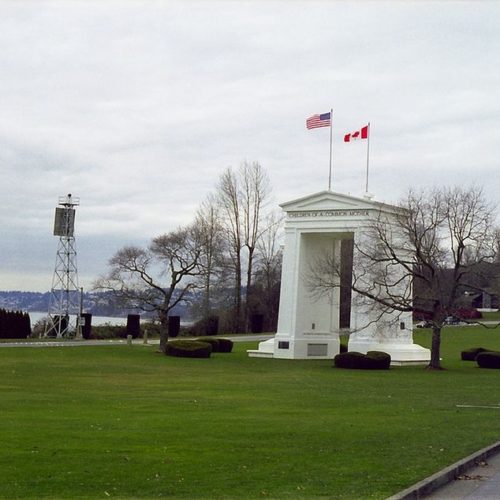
x: 97, y: 303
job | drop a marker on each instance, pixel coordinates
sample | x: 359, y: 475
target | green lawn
x: 126, y: 422
x: 491, y: 316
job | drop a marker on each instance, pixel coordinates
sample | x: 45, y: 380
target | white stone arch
x: 309, y: 327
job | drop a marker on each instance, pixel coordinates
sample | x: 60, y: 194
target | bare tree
x: 255, y: 191
x: 229, y: 197
x: 242, y: 196
x: 421, y: 258
x: 209, y: 228
x: 268, y: 268
x: 146, y: 278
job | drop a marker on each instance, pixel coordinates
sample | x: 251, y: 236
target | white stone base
x: 265, y: 350
x: 327, y: 345
x: 401, y: 354
x: 310, y: 345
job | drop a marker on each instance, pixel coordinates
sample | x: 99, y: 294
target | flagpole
x: 368, y: 157
x: 330, y: 170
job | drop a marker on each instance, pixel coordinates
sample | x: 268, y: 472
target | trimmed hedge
x: 188, y: 349
x: 470, y: 354
x: 488, y: 359
x: 378, y: 360
x: 218, y: 344
x: 225, y: 345
x: 372, y: 360
x: 134, y: 325
x: 210, y: 340
x: 14, y: 324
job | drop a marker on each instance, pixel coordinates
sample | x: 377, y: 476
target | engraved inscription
x: 329, y: 213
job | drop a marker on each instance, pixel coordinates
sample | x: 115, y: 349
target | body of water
x: 96, y: 320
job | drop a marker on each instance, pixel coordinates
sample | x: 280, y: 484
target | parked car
x: 424, y: 324
x: 451, y: 320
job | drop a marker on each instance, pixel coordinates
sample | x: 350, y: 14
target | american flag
x: 316, y: 121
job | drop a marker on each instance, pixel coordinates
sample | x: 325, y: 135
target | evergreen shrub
x: 134, y: 325
x: 14, y: 324
x: 257, y: 323
x: 225, y: 345
x: 188, y: 349
x: 488, y: 359
x: 108, y: 331
x: 467, y: 313
x: 470, y: 354
x: 218, y: 344
x: 378, y: 360
x: 212, y: 341
x: 372, y: 360
x: 174, y: 326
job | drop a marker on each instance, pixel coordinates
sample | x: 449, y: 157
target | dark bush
x: 14, y: 324
x: 373, y: 360
x: 134, y: 325
x: 225, y: 345
x: 257, y: 323
x: 210, y: 340
x: 467, y: 313
x: 188, y: 349
x: 108, y: 331
x: 343, y: 348
x: 174, y: 326
x: 218, y: 344
x: 378, y: 360
x: 351, y: 359
x: 86, y: 325
x: 488, y: 359
x: 470, y: 354
x: 212, y: 325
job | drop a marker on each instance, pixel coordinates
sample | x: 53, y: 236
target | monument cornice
x: 332, y: 204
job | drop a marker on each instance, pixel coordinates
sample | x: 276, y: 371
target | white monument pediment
x: 329, y: 200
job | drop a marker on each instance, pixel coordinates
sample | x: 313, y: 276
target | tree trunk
x: 206, y: 301
x: 249, y: 289
x: 238, y: 293
x: 435, y: 363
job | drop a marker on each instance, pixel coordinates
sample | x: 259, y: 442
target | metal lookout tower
x: 65, y: 300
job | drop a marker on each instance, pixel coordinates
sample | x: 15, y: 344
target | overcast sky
x: 138, y: 107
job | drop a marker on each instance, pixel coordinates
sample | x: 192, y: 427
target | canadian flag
x: 359, y: 134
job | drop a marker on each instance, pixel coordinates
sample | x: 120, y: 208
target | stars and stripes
x: 317, y: 121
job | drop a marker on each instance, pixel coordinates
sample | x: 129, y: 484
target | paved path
x: 84, y: 343
x: 475, y: 477
x: 480, y: 482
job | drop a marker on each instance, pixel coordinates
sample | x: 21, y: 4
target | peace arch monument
x: 309, y: 326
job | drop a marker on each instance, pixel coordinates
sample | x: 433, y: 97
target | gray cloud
x: 137, y: 107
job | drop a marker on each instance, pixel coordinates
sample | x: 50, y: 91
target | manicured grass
x: 491, y: 316
x: 126, y: 422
